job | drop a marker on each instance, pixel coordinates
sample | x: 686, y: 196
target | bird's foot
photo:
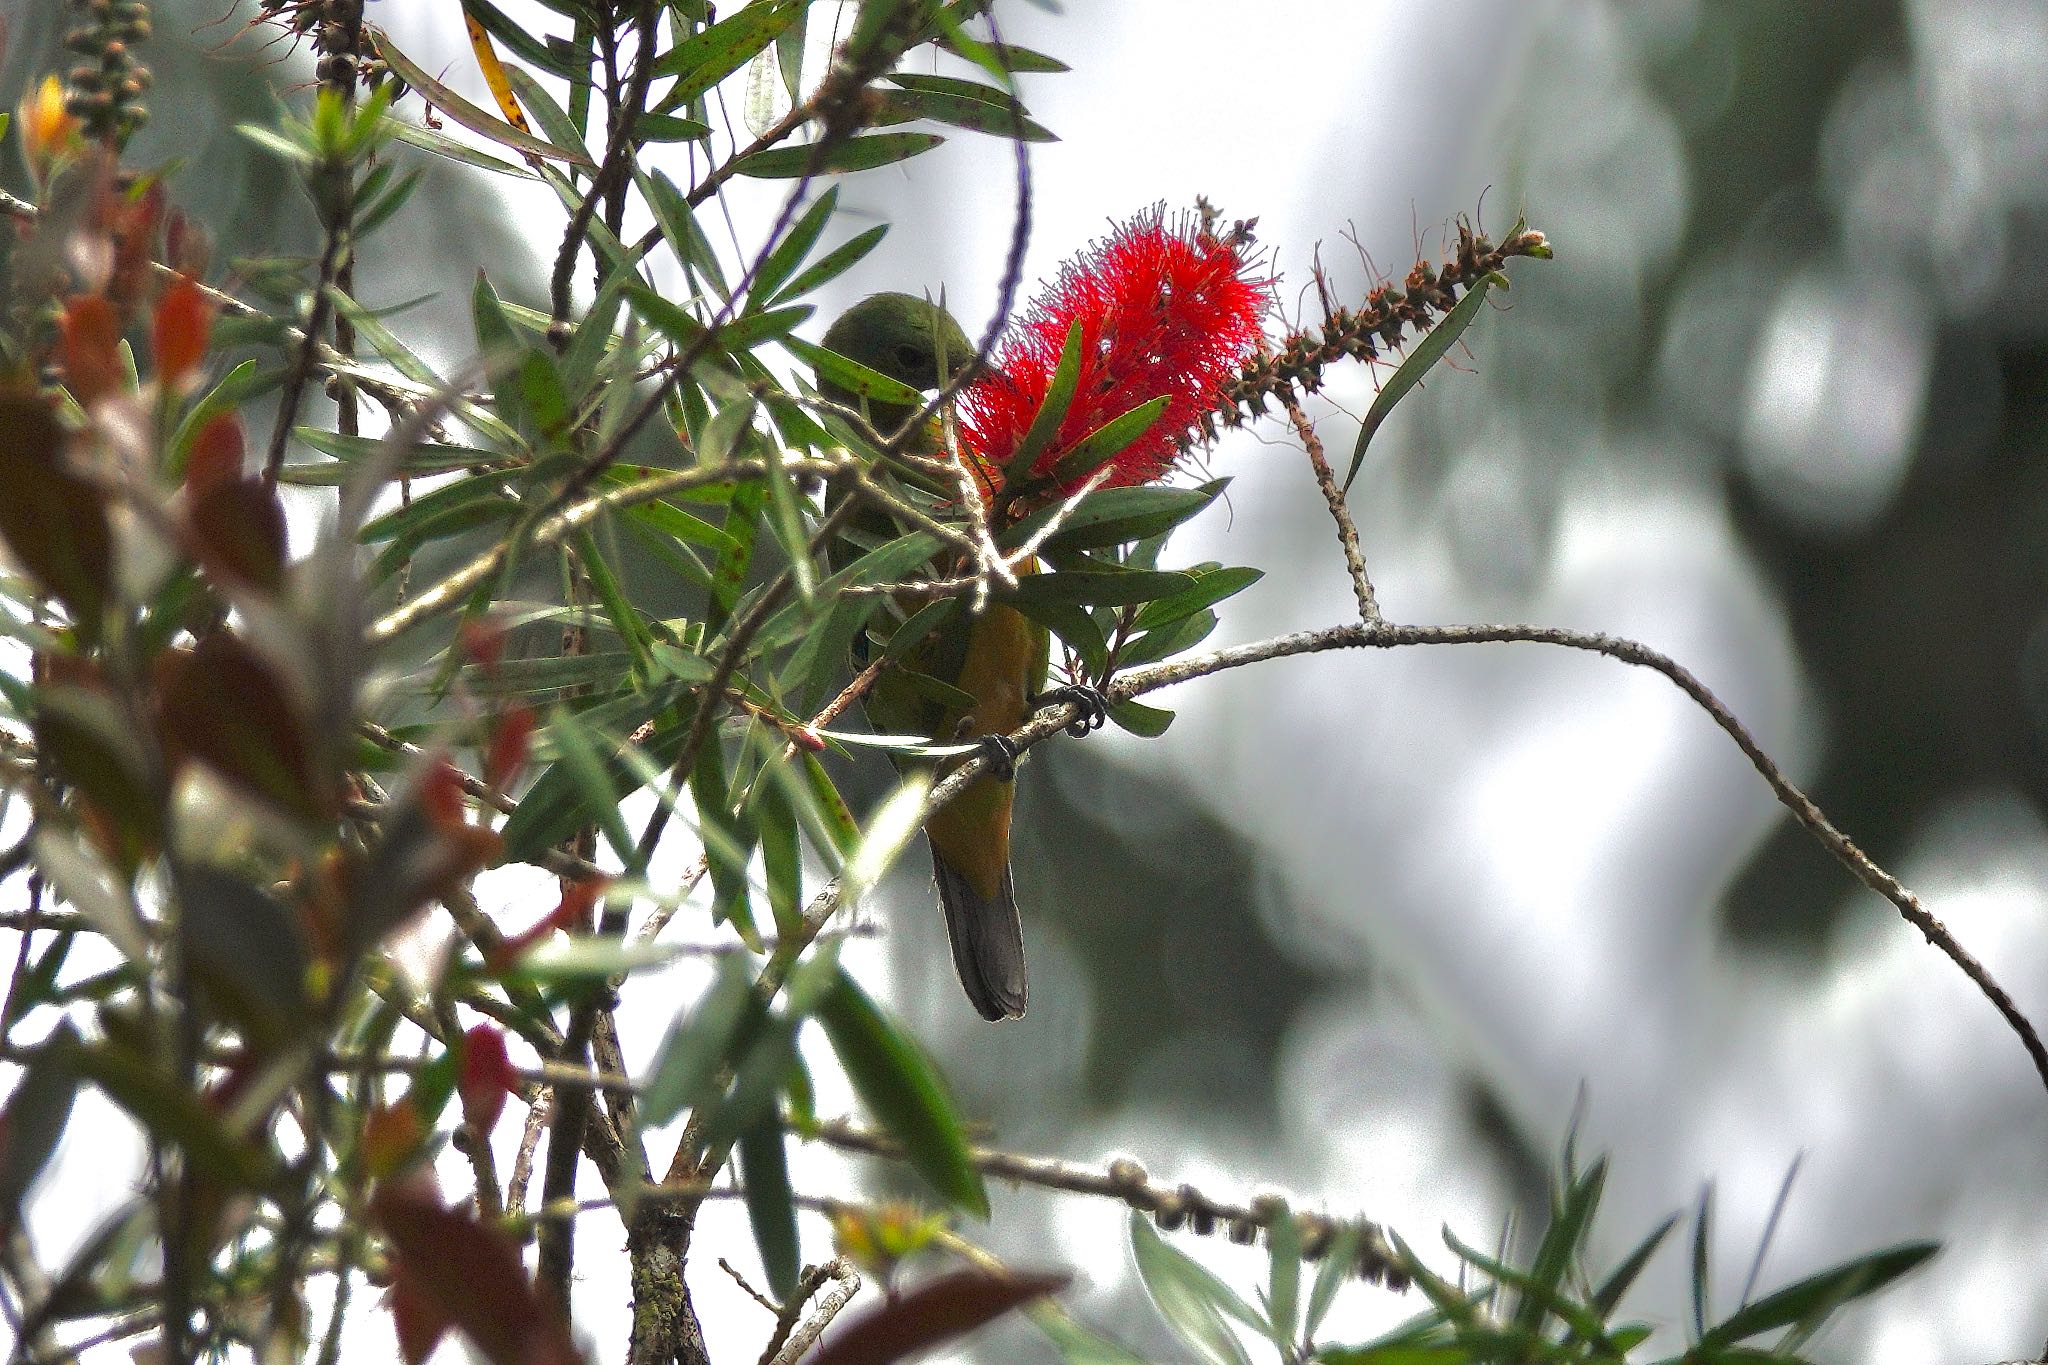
x: 1089, y: 701
x: 1000, y: 753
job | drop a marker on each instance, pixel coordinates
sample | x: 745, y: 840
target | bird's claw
x: 1000, y: 753
x: 1089, y: 701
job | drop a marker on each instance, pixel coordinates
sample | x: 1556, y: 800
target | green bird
x: 993, y: 665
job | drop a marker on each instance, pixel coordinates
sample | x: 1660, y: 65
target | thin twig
x: 1050, y: 720
x: 1172, y: 1206
x: 1347, y: 531
x: 845, y: 1284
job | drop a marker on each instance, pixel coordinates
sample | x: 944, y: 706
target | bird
x: 993, y: 664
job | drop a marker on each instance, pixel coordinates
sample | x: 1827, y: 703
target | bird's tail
x: 988, y: 941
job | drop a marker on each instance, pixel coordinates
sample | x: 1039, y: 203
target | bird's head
x: 909, y: 339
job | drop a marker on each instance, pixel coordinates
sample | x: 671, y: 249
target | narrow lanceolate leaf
x: 1113, y: 516
x: 1810, y: 1300
x: 697, y: 1042
x: 935, y: 1312
x: 835, y: 262
x: 841, y: 158
x: 1418, y: 362
x: 778, y: 265
x: 704, y: 59
x: 494, y: 74
x: 853, y: 376
x: 963, y: 104
x: 771, y: 1206
x: 34, y: 1119
x: 1059, y: 396
x: 1283, y: 1295
x: 477, y: 120
x: 1186, y: 1296
x: 889, y: 830
x: 1330, y: 1276
x: 1107, y: 441
x: 900, y: 1086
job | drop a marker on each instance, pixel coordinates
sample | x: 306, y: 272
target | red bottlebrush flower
x: 1165, y: 309
x: 89, y: 342
x: 511, y: 740
x: 216, y: 453
x: 183, y: 323
x: 486, y: 1076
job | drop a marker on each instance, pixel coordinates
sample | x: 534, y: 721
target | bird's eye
x: 913, y: 360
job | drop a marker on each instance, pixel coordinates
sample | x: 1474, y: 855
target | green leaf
x: 771, y: 1207
x: 903, y: 1091
x: 1102, y: 587
x: 1813, y: 1299
x: 840, y: 158
x: 706, y: 58
x: 1701, y: 1234
x: 779, y: 264
x: 680, y: 229
x: 35, y: 1118
x: 579, y: 750
x: 440, y: 144
x: 697, y: 1044
x: 1330, y: 1276
x: 737, y: 335
x: 1189, y: 1297
x: 963, y: 104
x: 1560, y: 1249
x: 889, y: 830
x: 782, y: 862
x: 853, y: 376
x: 1022, y: 60
x: 1113, y: 516
x: 1210, y: 587
x: 727, y: 842
x: 1168, y: 641
x: 246, y: 951
x: 1146, y: 722
x: 587, y: 958
x: 1107, y: 441
x: 668, y: 128
x: 172, y: 1112
x: 1045, y: 423
x: 1417, y: 363
x: 1536, y: 1298
x: 1075, y: 626
x: 1283, y: 1295
x: 835, y: 262
x: 470, y: 116
x: 1609, y: 1295
x: 1079, y: 1344
x: 845, y: 833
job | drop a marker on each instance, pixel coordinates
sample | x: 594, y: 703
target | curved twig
x: 1052, y: 719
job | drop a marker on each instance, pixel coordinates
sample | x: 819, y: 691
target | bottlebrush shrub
x: 1165, y: 310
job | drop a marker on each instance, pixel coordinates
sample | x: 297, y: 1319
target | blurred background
x: 1370, y: 929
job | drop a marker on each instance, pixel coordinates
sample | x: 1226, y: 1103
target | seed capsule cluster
x: 1391, y: 311
x: 104, y: 88
x: 336, y: 28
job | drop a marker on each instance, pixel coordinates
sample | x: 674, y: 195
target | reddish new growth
x: 1166, y: 310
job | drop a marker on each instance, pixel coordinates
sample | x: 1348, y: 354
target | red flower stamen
x: 1166, y: 310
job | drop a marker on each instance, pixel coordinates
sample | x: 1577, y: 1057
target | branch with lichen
x: 1173, y: 1207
